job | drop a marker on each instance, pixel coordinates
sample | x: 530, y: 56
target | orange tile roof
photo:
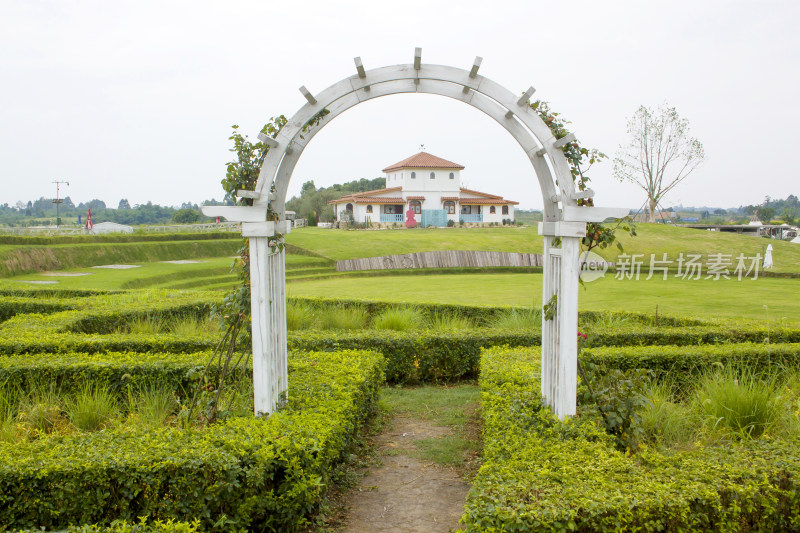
x: 415, y: 197
x: 487, y: 201
x: 450, y: 198
x: 376, y: 200
x: 424, y: 160
x: 356, y: 195
x: 486, y: 195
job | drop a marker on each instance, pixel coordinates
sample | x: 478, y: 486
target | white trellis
x: 563, y: 218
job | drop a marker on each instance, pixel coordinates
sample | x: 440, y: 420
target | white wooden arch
x: 563, y: 219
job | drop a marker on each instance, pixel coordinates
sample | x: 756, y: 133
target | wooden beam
x: 509, y: 114
x: 236, y: 213
x: 308, y: 95
x: 258, y: 229
x: 360, y: 68
x: 526, y: 97
x: 417, y: 58
x: 242, y: 193
x: 592, y: 214
x: 563, y: 141
x: 475, y: 66
x: 466, y: 90
x: 582, y: 195
x: 266, y: 139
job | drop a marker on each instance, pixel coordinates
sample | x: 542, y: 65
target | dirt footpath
x: 404, y: 494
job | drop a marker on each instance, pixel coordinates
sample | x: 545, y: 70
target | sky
x: 136, y: 99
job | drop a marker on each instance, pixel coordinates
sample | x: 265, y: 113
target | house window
x: 393, y: 209
x: 349, y: 207
x: 505, y: 209
x: 452, y: 176
x: 416, y: 206
x: 491, y: 210
x: 369, y: 209
x: 413, y: 175
x: 433, y: 175
x: 466, y: 209
x: 450, y: 206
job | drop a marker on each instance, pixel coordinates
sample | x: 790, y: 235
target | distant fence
x: 441, y: 259
x: 176, y: 228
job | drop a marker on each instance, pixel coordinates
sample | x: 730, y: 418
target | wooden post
x: 268, y: 311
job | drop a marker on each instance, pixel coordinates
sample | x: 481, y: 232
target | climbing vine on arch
x: 580, y: 160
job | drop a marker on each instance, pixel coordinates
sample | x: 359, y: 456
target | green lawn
x: 652, y: 239
x: 207, y: 272
x: 724, y: 299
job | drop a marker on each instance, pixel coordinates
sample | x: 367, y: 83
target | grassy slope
x: 211, y: 270
x: 731, y: 300
x: 23, y: 259
x: 652, y: 239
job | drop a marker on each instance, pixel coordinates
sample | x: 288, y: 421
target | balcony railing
x: 472, y: 218
x: 388, y: 219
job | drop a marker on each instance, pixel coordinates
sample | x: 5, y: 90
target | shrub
x: 299, y: 316
x: 242, y: 474
x: 441, y: 321
x: 542, y: 474
x: 92, y: 407
x: 739, y: 400
x: 342, y: 318
x: 41, y: 410
x: 151, y: 404
x: 666, y: 421
x: 524, y: 319
x: 399, y: 319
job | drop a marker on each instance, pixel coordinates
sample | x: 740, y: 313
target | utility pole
x: 58, y: 200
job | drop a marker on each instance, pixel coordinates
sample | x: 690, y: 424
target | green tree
x: 185, y: 216
x: 659, y: 154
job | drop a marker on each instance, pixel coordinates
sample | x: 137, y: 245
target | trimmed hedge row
x: 483, y: 313
x: 542, y: 474
x: 244, y: 473
x: 68, y: 372
x: 688, y: 360
x: 27, y: 240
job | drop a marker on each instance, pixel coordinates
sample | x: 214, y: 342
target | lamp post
x: 58, y: 200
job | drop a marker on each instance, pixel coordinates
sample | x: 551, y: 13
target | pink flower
x: 582, y: 336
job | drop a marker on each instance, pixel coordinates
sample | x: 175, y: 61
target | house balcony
x: 391, y: 218
x: 478, y: 217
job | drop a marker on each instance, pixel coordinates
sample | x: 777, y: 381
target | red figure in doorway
x: 410, y: 220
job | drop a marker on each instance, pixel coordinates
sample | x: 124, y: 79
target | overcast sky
x: 135, y: 99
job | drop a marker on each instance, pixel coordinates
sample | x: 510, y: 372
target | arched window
x: 413, y: 175
x: 369, y: 209
x: 505, y: 209
x: 416, y: 205
x: 450, y: 207
x: 452, y: 176
x: 349, y: 207
x: 433, y: 175
x: 491, y: 210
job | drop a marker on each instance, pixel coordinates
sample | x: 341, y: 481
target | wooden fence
x: 441, y: 259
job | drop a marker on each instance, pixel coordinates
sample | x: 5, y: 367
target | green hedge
x: 242, y: 474
x: 36, y: 240
x: 68, y: 372
x: 688, y: 360
x: 480, y: 314
x: 541, y: 474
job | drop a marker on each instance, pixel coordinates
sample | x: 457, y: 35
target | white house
x: 428, y: 189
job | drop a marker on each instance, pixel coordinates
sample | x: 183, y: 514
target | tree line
x: 43, y: 212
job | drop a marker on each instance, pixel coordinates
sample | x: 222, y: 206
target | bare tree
x: 660, y: 153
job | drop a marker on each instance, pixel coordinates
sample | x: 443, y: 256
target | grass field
x: 652, y: 239
x: 208, y: 272
x: 724, y: 299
